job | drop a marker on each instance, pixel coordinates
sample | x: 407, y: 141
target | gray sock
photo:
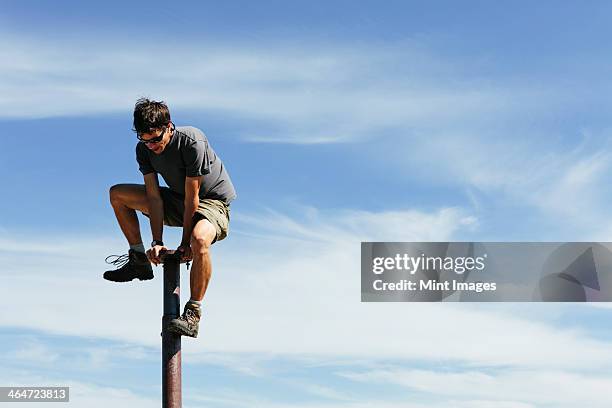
x: 195, y: 302
x: 138, y: 248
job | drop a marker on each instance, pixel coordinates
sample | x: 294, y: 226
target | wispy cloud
x: 325, y: 93
x: 543, y: 388
x: 388, y: 383
x: 355, y: 226
x: 33, y: 351
x: 556, y: 184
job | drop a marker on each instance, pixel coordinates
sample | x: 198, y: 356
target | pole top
x: 171, y: 256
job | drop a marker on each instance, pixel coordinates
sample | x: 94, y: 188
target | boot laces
x: 117, y: 260
x: 190, y: 316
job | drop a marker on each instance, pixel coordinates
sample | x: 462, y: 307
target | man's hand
x: 154, y: 254
x: 185, y: 251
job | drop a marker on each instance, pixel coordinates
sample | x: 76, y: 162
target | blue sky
x: 339, y: 123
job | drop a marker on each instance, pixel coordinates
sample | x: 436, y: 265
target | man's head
x: 152, y: 124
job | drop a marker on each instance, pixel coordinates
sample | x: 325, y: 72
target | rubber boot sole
x: 140, y: 277
x: 182, y: 331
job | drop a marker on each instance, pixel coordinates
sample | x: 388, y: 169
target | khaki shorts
x: 215, y: 211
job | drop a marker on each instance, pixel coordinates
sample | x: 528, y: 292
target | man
x: 197, y: 199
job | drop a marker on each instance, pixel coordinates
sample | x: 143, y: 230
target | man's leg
x: 202, y: 236
x: 126, y: 199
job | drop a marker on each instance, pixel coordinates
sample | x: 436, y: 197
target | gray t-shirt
x: 188, y: 154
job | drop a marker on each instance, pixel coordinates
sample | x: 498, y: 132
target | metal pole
x: 171, y: 342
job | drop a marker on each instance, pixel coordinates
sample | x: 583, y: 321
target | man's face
x: 157, y: 140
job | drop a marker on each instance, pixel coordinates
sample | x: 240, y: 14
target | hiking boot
x: 188, y: 323
x: 132, y: 265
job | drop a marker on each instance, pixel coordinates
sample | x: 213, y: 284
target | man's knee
x: 202, y: 236
x: 115, y: 193
x: 126, y: 194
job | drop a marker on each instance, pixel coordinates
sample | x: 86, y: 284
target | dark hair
x: 150, y: 115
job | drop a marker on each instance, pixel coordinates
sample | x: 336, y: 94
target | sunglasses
x: 153, y: 140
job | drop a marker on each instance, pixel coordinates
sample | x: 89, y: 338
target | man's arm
x: 156, y: 213
x: 192, y: 199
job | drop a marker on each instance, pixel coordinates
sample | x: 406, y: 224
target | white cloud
x: 33, y: 351
x: 87, y: 394
x: 542, y: 387
x: 240, y: 400
x: 314, y: 95
x: 555, y: 183
x: 356, y: 226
